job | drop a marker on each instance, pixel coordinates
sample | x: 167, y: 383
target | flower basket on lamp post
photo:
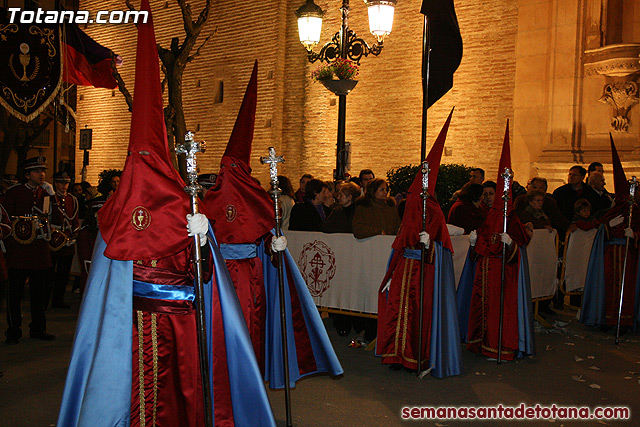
x: 340, y: 87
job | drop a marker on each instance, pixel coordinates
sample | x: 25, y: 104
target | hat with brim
x: 61, y: 177
x: 35, y: 163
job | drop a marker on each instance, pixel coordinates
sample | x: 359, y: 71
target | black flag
x: 446, y: 46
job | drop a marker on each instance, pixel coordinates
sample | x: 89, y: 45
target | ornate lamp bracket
x: 356, y: 49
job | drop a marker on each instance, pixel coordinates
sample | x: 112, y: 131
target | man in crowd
x: 366, y: 175
x: 567, y: 195
x: 303, y: 184
x: 28, y: 255
x: 476, y: 176
x: 594, y: 167
x: 64, y: 223
x: 603, y: 201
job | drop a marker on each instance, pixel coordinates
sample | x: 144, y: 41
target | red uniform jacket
x: 25, y: 199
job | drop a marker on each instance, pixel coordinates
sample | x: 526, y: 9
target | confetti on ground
x: 481, y: 373
x: 626, y: 378
x: 593, y: 368
x: 632, y: 373
x: 578, y: 378
x: 569, y: 343
x: 437, y: 424
x: 577, y: 358
x: 594, y: 386
x: 560, y: 323
x: 591, y: 357
x: 548, y: 348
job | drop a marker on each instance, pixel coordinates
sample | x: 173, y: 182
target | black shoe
x: 63, y: 305
x: 11, y: 341
x: 43, y: 336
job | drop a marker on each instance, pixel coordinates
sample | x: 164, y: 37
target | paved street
x: 574, y: 365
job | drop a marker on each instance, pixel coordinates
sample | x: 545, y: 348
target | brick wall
x: 294, y: 113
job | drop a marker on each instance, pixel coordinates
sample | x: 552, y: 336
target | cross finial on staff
x: 189, y: 148
x: 272, y: 160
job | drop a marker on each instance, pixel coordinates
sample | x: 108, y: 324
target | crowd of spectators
x: 364, y: 207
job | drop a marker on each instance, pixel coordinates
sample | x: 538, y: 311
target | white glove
x: 628, y: 232
x: 278, y: 244
x: 48, y: 188
x: 473, y: 238
x: 386, y: 287
x: 505, y: 238
x: 425, y: 239
x: 616, y: 221
x: 198, y: 224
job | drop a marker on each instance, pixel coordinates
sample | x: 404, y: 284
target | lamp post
x: 344, y: 44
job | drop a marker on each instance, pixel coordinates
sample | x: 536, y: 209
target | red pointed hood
x: 436, y: 224
x: 239, y: 146
x: 620, y: 183
x: 489, y: 233
x: 145, y: 218
x: 241, y: 209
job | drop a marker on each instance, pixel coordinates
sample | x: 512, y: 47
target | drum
x: 24, y: 229
x: 58, y: 240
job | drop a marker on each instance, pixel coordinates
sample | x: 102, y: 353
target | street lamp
x: 347, y: 45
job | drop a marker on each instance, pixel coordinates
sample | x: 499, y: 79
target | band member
x: 64, y: 224
x: 28, y: 255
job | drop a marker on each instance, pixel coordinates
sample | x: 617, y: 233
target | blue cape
x: 593, y: 306
x: 325, y: 357
x: 445, y: 354
x: 98, y: 387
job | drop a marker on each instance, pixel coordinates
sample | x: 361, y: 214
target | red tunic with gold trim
x: 484, y: 314
x: 167, y: 384
x: 25, y: 199
x: 64, y: 217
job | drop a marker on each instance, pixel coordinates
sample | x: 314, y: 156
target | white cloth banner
x: 344, y: 272
x: 577, y: 259
x: 340, y: 270
x: 543, y: 263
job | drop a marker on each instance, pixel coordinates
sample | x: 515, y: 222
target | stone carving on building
x: 620, y: 65
x: 621, y: 96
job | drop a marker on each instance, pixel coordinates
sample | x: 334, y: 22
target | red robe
x: 614, y: 253
x: 398, y: 313
x: 169, y: 390
x: 484, y: 313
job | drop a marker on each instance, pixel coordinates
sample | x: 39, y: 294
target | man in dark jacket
x: 567, y: 195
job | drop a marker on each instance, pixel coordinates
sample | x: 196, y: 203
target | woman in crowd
x: 287, y: 200
x: 375, y: 212
x: 532, y: 215
x: 340, y: 219
x: 310, y: 215
x: 466, y: 212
